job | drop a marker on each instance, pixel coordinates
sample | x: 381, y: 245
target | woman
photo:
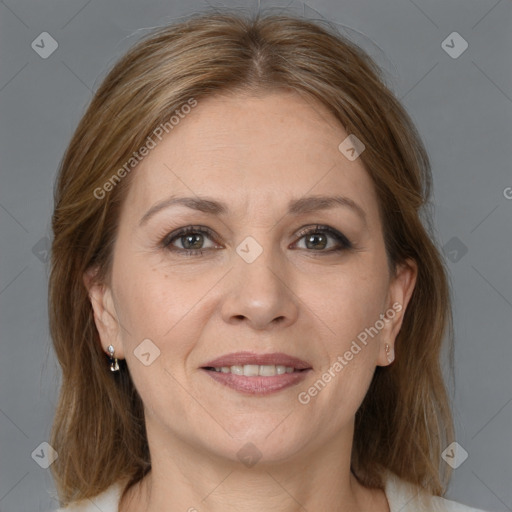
x: 245, y: 304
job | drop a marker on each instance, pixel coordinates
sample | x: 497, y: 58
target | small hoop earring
x: 114, y: 365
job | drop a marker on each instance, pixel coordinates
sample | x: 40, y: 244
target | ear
x: 105, y: 316
x: 401, y: 286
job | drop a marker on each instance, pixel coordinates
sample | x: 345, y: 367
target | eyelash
x: 342, y: 240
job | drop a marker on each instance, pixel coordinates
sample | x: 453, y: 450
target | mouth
x: 251, y: 364
x: 257, y: 374
x: 255, y: 370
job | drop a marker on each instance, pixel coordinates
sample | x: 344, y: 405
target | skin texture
x: 255, y: 154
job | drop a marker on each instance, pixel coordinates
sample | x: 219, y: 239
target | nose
x: 260, y: 294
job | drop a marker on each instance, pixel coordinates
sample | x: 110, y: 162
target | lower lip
x: 258, y: 385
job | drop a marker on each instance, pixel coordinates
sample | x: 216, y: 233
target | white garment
x: 401, y: 495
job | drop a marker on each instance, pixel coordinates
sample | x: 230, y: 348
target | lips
x: 257, y: 374
x: 251, y: 358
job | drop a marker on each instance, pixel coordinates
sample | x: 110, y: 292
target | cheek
x: 346, y: 315
x: 356, y: 316
x: 153, y: 302
x: 169, y: 309
x: 155, y: 307
x: 348, y: 302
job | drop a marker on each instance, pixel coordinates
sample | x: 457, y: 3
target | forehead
x: 252, y: 150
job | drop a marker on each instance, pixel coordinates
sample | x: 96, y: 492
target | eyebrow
x: 299, y: 206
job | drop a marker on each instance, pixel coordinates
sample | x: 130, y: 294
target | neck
x: 189, y: 479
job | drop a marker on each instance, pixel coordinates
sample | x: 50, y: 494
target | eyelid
x: 320, y: 228
x: 168, y: 238
x: 342, y: 240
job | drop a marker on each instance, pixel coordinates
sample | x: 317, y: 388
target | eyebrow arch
x: 315, y: 203
x: 295, y: 207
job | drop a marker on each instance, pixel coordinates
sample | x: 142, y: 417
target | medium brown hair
x: 405, y: 421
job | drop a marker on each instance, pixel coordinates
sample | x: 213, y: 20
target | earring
x: 114, y: 366
x: 390, y: 353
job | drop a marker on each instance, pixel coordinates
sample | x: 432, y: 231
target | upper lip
x: 243, y: 358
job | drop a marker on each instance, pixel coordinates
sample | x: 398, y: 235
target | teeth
x: 280, y: 369
x: 251, y: 370
x: 254, y: 370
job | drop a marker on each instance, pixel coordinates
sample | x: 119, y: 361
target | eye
x: 189, y: 240
x: 318, y: 239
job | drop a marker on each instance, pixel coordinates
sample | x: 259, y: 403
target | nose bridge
x: 259, y: 293
x: 258, y: 266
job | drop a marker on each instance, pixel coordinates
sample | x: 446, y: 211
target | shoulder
x: 107, y: 501
x: 402, y: 496
x: 405, y: 497
x: 454, y: 506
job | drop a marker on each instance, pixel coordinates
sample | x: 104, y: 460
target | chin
x: 257, y: 446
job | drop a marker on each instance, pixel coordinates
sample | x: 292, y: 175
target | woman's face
x: 272, y: 270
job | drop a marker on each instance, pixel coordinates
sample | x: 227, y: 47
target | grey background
x: 462, y: 107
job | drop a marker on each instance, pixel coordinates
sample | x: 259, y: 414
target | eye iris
x: 314, y: 238
x: 192, y: 241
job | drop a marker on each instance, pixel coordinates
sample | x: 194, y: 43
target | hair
x: 404, y: 421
